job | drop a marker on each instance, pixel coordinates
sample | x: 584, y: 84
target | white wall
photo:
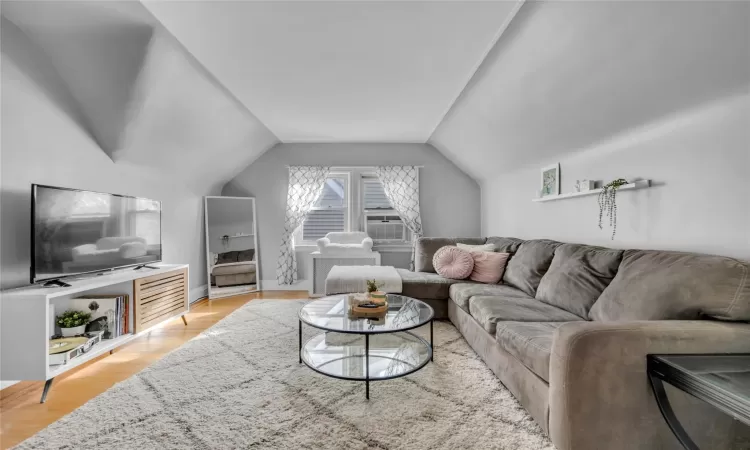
x: 43, y: 141
x: 449, y: 199
x: 699, y: 160
x: 614, y: 89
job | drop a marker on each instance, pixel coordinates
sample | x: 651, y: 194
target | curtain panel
x: 401, y: 186
x: 305, y: 185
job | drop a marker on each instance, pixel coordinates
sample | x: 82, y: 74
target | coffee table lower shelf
x: 366, y: 357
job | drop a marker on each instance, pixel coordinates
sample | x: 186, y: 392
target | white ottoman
x: 347, y: 279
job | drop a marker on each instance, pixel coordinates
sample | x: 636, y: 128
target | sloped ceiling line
x: 148, y: 100
x: 472, y: 74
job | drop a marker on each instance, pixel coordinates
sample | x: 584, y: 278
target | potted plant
x: 608, y: 203
x: 373, y: 290
x: 73, y: 322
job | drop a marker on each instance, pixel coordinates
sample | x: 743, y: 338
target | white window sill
x: 392, y: 248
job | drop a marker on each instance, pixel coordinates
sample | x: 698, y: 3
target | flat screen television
x: 75, y: 232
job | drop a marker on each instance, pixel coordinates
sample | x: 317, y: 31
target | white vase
x: 69, y: 332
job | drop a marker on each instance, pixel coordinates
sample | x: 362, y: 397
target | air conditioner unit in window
x: 385, y: 226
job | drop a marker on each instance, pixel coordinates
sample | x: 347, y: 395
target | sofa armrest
x: 599, y: 390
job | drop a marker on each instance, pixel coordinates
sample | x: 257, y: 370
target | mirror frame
x: 209, y: 263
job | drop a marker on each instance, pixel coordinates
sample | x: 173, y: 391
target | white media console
x: 155, y: 296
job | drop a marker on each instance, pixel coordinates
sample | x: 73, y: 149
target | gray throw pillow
x: 228, y: 257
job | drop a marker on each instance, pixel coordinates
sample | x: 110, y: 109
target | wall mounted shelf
x: 241, y: 235
x: 640, y: 184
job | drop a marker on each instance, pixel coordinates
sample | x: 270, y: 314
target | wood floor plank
x: 21, y: 414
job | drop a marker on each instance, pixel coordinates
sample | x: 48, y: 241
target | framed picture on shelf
x: 550, y: 181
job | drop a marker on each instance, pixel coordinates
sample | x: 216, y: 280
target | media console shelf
x: 155, y: 296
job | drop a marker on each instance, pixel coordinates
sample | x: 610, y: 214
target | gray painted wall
x: 700, y: 160
x: 614, y: 89
x: 44, y: 141
x: 449, y: 199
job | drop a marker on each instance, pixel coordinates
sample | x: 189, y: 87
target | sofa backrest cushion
x: 427, y: 246
x: 577, y: 277
x: 529, y: 264
x: 245, y: 255
x: 505, y: 244
x: 659, y: 285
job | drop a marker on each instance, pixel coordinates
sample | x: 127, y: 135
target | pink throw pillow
x: 488, y: 266
x: 452, y: 262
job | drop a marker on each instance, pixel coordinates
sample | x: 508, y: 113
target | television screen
x: 75, y: 232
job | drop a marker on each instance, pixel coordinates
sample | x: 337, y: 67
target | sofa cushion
x: 505, y: 244
x: 577, y: 276
x: 527, y: 267
x: 227, y: 257
x: 460, y: 293
x: 489, y: 310
x: 425, y: 248
x: 233, y: 269
x: 660, y: 285
x: 529, y: 342
x: 426, y: 285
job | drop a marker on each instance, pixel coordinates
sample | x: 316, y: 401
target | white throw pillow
x: 478, y: 248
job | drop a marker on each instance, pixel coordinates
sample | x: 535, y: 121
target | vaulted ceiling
x: 492, y: 85
x: 340, y: 71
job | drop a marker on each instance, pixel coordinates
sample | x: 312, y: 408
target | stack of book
x: 112, y: 311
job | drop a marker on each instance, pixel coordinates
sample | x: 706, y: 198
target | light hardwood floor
x: 21, y: 414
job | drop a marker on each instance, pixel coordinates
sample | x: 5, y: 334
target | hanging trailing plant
x: 608, y: 203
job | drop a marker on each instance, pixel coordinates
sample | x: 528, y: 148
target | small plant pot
x: 70, y: 332
x: 377, y: 296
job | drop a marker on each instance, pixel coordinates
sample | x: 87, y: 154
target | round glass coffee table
x: 366, y: 349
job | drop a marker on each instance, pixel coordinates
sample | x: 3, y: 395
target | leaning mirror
x: 231, y: 246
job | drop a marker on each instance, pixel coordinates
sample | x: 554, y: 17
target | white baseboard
x: 5, y: 384
x: 198, y: 293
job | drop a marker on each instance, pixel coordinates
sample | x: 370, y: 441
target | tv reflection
x: 80, y: 231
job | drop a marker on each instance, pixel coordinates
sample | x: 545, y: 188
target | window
x: 358, y: 206
x: 330, y: 212
x: 147, y: 221
x: 382, y: 222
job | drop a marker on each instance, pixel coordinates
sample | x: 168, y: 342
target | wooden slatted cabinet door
x: 159, y: 297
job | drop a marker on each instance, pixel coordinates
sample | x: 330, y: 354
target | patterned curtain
x: 401, y: 186
x: 305, y: 185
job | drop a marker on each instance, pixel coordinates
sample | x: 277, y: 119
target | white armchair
x: 339, y: 249
x: 345, y: 243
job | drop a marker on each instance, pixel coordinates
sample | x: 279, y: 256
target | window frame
x: 298, y: 235
x: 355, y: 215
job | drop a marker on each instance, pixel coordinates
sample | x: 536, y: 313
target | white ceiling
x: 144, y: 98
x: 340, y: 71
x: 566, y: 76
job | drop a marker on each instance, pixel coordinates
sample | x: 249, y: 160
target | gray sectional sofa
x: 568, y: 329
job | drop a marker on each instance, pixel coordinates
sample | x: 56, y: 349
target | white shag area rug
x: 239, y: 385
